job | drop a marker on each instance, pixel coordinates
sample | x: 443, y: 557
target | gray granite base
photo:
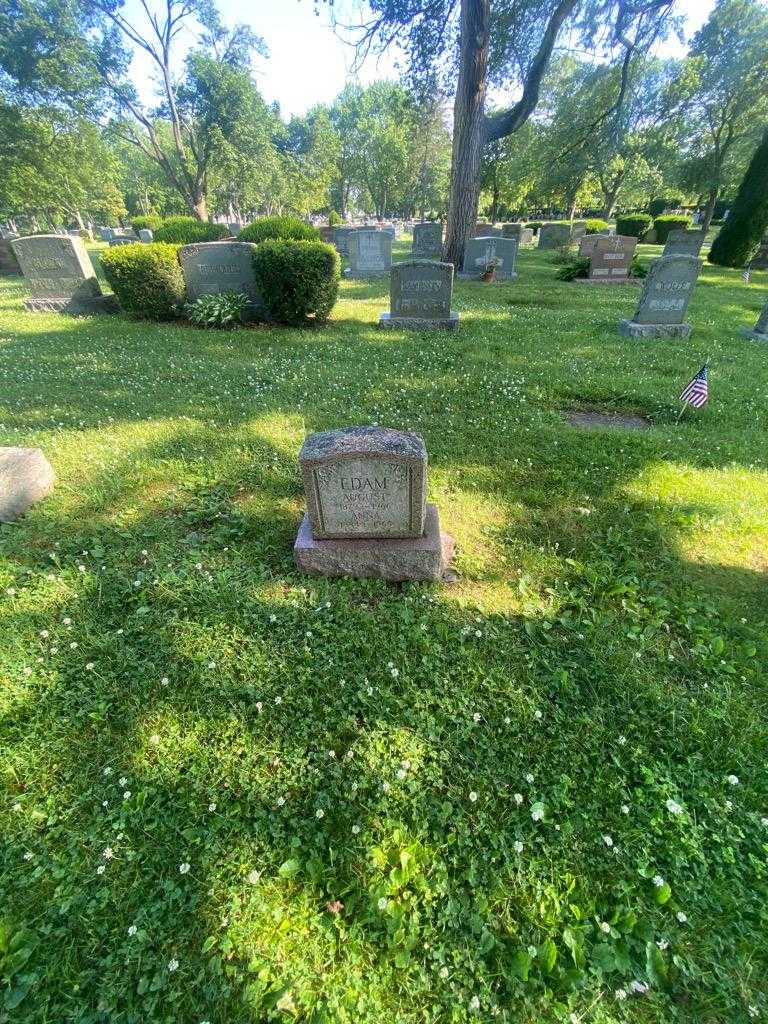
x: 754, y: 335
x: 415, y: 323
x: 632, y: 329
x: 416, y: 558
x: 608, y: 280
x: 77, y: 307
x: 26, y: 477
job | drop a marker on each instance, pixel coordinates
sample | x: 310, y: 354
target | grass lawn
x: 235, y: 794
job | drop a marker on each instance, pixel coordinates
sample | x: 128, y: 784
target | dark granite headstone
x: 479, y: 253
x: 664, y: 300
x: 211, y: 268
x: 420, y: 296
x: 60, y: 275
x: 427, y: 241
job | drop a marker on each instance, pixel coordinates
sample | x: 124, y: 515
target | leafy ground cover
x: 235, y: 794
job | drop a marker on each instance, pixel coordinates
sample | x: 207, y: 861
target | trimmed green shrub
x: 288, y: 228
x: 535, y: 225
x: 637, y: 224
x: 637, y: 269
x: 595, y: 225
x: 297, y: 279
x: 670, y: 222
x: 740, y: 236
x: 149, y: 220
x: 186, y: 230
x: 226, y: 309
x: 574, y: 267
x: 146, y: 278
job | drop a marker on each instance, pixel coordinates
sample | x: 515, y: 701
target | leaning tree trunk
x: 468, y: 138
x: 709, y: 210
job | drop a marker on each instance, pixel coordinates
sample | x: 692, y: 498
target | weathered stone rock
x: 420, y: 293
x: 60, y: 275
x: 26, y: 477
x: 664, y: 300
x: 365, y: 482
x: 415, y: 558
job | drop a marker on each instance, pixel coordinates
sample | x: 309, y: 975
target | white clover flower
x: 658, y: 881
x: 154, y: 739
x: 184, y: 868
x: 278, y: 700
x: 529, y: 779
x: 127, y: 795
x: 394, y: 672
x: 681, y: 917
x: 538, y: 715
x: 107, y: 853
x: 476, y: 717
x: 518, y: 798
x: 100, y: 869
x: 537, y: 814
x: 624, y: 809
x: 132, y: 929
x: 44, y: 634
x: 164, y: 681
x: 474, y: 1003
x: 280, y: 801
x: 473, y: 796
x: 507, y: 720
x: 107, y: 771
x: 620, y: 994
x: 605, y: 927
x: 17, y: 807
x: 90, y: 666
x: 764, y: 822
x: 517, y: 846
x: 622, y: 740
x: 355, y: 830
x: 673, y: 807
x: 443, y: 972
x: 662, y: 944
x: 608, y: 840
x: 67, y: 622
x: 122, y: 780
x: 28, y: 855
x: 382, y: 904
x: 639, y: 987
x: 319, y: 813
x: 733, y: 779
x: 386, y: 787
x: 728, y: 805
x: 254, y: 876
x: 401, y: 773
x: 173, y: 965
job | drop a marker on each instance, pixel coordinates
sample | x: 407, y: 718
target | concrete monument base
x: 499, y: 279
x: 414, y: 323
x: 77, y: 307
x: 26, y: 477
x: 754, y: 335
x: 632, y: 329
x: 412, y: 558
x: 608, y: 280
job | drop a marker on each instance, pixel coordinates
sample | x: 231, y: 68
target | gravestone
x: 26, y: 477
x: 389, y: 229
x: 760, y: 260
x: 367, y: 513
x: 60, y: 276
x: 145, y: 235
x: 664, y: 299
x: 341, y: 239
x: 479, y: 252
x: 105, y: 234
x: 427, y: 241
x: 578, y: 230
x: 370, y: 253
x: 518, y: 231
x: 327, y: 234
x: 234, y: 227
x: 484, y: 229
x: 420, y: 293
x: 610, y: 258
x: 684, y: 243
x: 121, y: 240
x: 760, y: 330
x: 554, y: 236
x: 9, y: 265
x: 210, y: 268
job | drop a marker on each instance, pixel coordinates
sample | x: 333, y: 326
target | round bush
x: 146, y: 278
x: 186, y: 230
x: 637, y: 224
x: 595, y: 225
x: 297, y: 279
x: 149, y: 220
x: 669, y: 222
x: 289, y: 228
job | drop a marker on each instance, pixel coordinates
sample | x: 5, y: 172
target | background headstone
x: 341, y: 239
x: 684, y: 243
x: 420, y: 296
x: 760, y: 260
x: 9, y: 265
x: 554, y: 236
x: 145, y: 235
x: 518, y: 231
x: 366, y: 507
x: 121, y: 240
x: 610, y: 258
x: 484, y: 229
x: 26, y: 477
x: 370, y: 253
x: 105, y: 234
x: 664, y: 300
x: 60, y: 275
x: 479, y: 251
x: 427, y: 241
x: 760, y: 330
x: 211, y: 268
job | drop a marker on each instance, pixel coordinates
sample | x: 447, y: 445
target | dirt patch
x: 589, y: 419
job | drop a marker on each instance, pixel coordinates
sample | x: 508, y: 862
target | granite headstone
x: 684, y: 243
x: 760, y: 331
x: 211, y: 268
x: 60, y: 275
x: 420, y: 296
x: 370, y: 253
x: 479, y: 253
x: 664, y: 300
x: 427, y: 241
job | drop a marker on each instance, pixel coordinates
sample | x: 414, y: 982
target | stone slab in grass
x: 26, y: 477
x: 589, y: 419
x: 406, y: 558
x: 760, y: 330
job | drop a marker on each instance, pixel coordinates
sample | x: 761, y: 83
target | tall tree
x: 728, y: 101
x: 503, y: 43
x: 747, y: 222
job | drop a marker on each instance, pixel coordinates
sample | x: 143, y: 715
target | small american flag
x: 746, y: 275
x: 696, y: 392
